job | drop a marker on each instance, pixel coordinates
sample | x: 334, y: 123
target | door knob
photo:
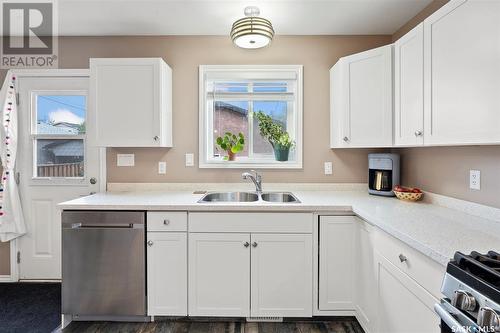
x: 150, y: 243
x: 254, y: 244
x: 93, y: 180
x: 246, y: 244
x: 346, y: 138
x: 402, y: 258
x: 156, y: 138
x: 418, y: 133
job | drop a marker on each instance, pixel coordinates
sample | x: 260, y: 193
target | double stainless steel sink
x: 276, y: 197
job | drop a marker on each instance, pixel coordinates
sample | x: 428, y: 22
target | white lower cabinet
x: 336, y: 262
x: 365, y: 295
x: 167, y: 273
x: 403, y: 305
x: 219, y: 274
x: 242, y: 275
x: 281, y: 275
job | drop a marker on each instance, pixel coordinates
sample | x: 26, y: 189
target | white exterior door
x: 409, y: 88
x: 55, y: 164
x: 281, y: 275
x: 167, y: 273
x: 219, y: 275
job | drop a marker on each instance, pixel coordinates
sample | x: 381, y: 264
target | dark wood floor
x: 332, y: 325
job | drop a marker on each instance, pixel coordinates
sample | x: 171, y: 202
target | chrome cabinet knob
x: 418, y: 133
x: 93, y: 180
x: 246, y: 244
x: 402, y: 258
x: 150, y: 243
x: 156, y: 138
x: 488, y: 318
x: 463, y: 300
x: 346, y: 138
x: 254, y: 244
x: 166, y: 222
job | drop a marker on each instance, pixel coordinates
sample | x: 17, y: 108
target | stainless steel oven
x: 471, y: 294
x: 103, y: 263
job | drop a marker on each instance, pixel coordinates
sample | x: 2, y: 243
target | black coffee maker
x: 383, y: 173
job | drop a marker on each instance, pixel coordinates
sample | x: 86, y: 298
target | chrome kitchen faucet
x: 256, y: 179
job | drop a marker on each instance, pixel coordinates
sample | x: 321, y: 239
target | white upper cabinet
x: 361, y: 100
x: 409, y: 88
x: 132, y: 98
x: 462, y: 74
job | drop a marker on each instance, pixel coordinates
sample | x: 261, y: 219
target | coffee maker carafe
x: 383, y: 173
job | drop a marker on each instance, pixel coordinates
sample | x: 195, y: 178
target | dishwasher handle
x: 107, y: 226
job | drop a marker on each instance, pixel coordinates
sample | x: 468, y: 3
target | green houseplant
x: 232, y: 144
x: 276, y: 135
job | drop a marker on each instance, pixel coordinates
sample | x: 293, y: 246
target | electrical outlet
x: 475, y: 180
x: 162, y: 168
x: 125, y: 160
x: 328, y: 168
x: 189, y: 159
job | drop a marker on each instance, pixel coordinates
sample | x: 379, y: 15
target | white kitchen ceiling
x: 211, y: 17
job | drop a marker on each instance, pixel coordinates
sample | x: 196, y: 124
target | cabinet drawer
x: 251, y: 222
x: 428, y: 273
x: 167, y: 221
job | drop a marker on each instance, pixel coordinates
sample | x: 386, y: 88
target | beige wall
x: 185, y: 54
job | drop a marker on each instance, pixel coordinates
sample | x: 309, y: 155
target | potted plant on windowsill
x: 232, y: 144
x: 277, y: 137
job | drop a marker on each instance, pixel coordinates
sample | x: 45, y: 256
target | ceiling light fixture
x: 252, y: 31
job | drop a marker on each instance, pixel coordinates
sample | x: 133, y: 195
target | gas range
x: 471, y: 289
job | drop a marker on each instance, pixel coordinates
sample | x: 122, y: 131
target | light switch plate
x: 189, y: 159
x: 475, y: 180
x: 162, y: 168
x: 328, y: 168
x: 125, y: 160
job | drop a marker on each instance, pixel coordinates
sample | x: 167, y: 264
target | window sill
x: 248, y: 165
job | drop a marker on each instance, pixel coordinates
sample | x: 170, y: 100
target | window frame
x: 34, y: 136
x: 206, y: 120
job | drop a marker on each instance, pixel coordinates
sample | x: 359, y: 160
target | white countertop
x: 431, y: 229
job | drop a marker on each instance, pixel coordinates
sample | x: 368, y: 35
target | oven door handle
x: 449, y: 319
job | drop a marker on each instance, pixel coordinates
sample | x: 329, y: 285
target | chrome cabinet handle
x: 402, y: 258
x: 246, y: 244
x: 346, y: 138
x: 150, y: 243
x: 254, y: 244
x: 418, y: 133
x: 156, y: 138
x: 166, y: 222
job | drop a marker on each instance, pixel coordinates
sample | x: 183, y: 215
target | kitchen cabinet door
x: 365, y: 276
x: 361, y: 100
x: 403, y: 305
x: 219, y: 274
x: 281, y: 266
x: 132, y: 99
x: 167, y: 273
x: 462, y: 74
x: 409, y: 88
x: 336, y: 262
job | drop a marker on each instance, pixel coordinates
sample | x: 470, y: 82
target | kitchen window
x: 230, y: 98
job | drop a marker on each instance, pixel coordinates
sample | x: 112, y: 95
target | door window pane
x: 278, y: 111
x: 60, y: 114
x: 230, y: 116
x: 59, y: 158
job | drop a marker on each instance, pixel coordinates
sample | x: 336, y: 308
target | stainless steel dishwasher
x: 103, y: 263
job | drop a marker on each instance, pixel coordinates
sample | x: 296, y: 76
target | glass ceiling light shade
x: 252, y: 32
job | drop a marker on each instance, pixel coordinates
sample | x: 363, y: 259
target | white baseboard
x: 6, y: 278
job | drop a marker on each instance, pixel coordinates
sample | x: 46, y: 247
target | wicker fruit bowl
x: 408, y: 193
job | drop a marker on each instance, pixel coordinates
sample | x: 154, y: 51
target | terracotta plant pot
x: 231, y: 156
